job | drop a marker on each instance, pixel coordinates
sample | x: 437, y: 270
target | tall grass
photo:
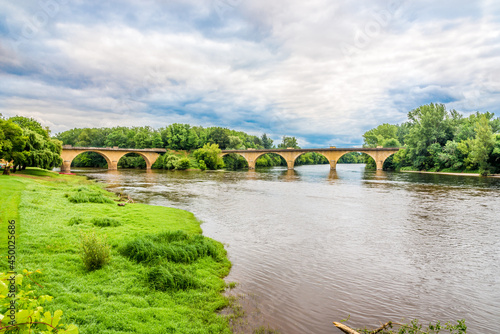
x: 177, y: 247
x: 95, y: 251
x: 87, y: 195
x: 168, y: 277
x: 105, y: 222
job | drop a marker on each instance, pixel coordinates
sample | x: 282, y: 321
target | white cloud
x: 311, y: 69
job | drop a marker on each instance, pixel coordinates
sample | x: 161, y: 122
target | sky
x: 324, y: 71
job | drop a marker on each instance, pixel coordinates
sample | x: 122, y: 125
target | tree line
x: 179, y: 137
x: 434, y: 139
x: 437, y: 139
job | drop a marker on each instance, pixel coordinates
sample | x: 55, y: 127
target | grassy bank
x: 156, y: 282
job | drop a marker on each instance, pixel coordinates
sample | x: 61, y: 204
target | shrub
x: 209, y: 153
x: 202, y: 165
x: 95, y: 251
x: 105, y: 222
x: 182, y: 164
x: 169, y: 277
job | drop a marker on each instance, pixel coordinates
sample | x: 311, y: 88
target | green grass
x: 125, y: 296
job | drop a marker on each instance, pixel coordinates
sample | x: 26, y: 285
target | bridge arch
x: 143, y: 156
x: 360, y: 151
x: 69, y: 157
x: 332, y: 154
x: 319, y: 153
x: 236, y: 166
x: 111, y: 155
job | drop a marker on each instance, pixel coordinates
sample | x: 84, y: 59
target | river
x: 310, y: 246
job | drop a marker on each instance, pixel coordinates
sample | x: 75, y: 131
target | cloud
x: 321, y: 71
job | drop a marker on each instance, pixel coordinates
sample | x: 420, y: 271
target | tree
x: 288, y: 142
x: 377, y: 136
x: 219, y: 136
x: 12, y: 143
x: 235, y: 143
x: 209, y: 154
x: 482, y: 145
x: 430, y: 124
x: 39, y: 149
x: 266, y: 141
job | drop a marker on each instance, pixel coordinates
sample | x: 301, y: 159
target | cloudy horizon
x: 322, y: 71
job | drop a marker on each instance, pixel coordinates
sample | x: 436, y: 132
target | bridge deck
x: 352, y: 149
x: 157, y: 150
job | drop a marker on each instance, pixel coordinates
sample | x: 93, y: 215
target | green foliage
x: 430, y: 124
x: 169, y: 277
x: 182, y: 164
x: 95, y: 251
x: 35, y: 148
x: 353, y: 158
x: 178, y: 247
x: 482, y: 145
x: 379, y: 135
x: 105, y: 222
x: 12, y: 143
x: 29, y: 308
x: 202, y: 165
x: 234, y: 161
x: 210, y: 155
x: 437, y: 139
x: 288, y: 142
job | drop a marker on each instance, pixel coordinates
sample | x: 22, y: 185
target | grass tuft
x: 76, y: 221
x: 105, y: 222
x: 95, y: 251
x: 89, y: 197
x: 177, y: 247
x: 168, y: 277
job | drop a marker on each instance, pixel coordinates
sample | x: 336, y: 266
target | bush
x: 105, y: 222
x: 209, y: 153
x: 202, y: 165
x: 182, y: 164
x: 95, y: 251
x: 169, y: 277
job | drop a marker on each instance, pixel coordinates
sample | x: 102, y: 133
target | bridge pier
x: 333, y: 165
x: 66, y: 166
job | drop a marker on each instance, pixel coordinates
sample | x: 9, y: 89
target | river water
x: 310, y: 246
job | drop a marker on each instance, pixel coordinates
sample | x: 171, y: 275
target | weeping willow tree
x: 39, y: 150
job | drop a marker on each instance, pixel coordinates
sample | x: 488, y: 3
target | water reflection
x: 313, y: 245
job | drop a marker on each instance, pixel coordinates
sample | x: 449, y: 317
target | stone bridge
x: 333, y: 155
x: 111, y: 154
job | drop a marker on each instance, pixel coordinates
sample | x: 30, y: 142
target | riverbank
x: 446, y: 173
x: 125, y: 296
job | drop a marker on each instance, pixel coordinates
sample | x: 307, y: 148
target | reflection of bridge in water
x: 333, y: 155
x: 111, y: 154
